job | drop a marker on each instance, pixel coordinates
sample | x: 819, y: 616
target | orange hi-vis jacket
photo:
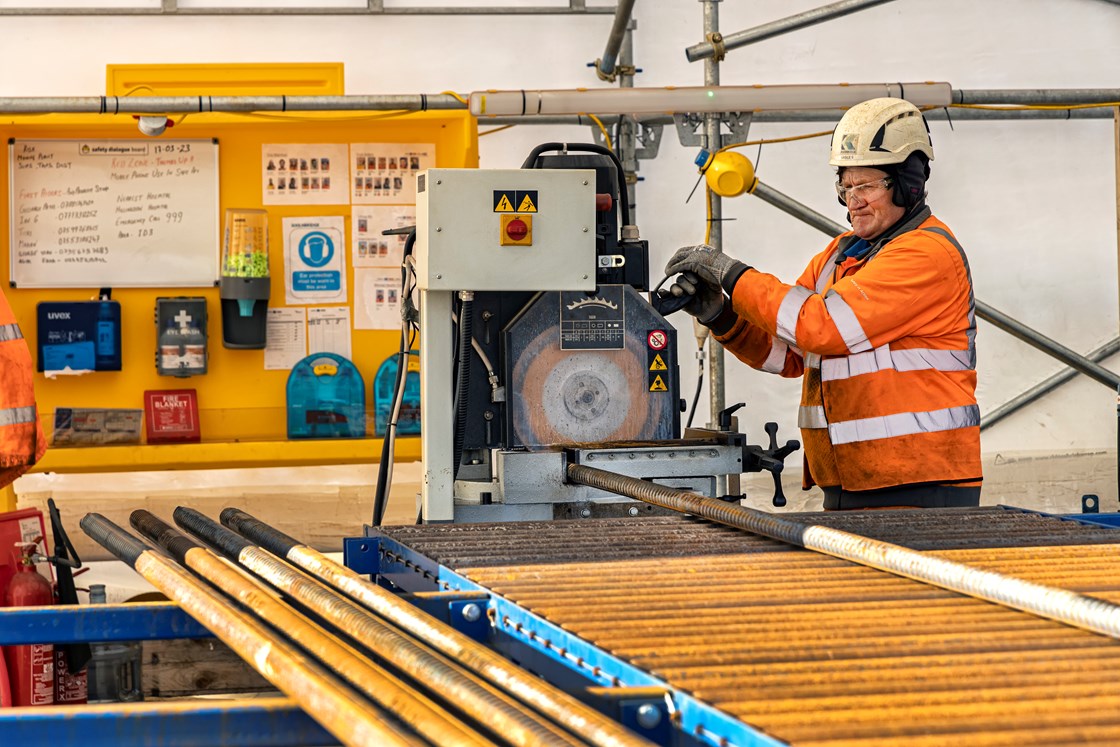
x: 21, y: 435
x: 886, y: 348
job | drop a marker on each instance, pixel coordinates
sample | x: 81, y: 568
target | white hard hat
x: 879, y: 132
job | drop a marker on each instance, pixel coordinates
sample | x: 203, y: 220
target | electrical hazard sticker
x: 657, y: 384
x: 527, y: 202
x: 657, y: 363
x: 515, y: 201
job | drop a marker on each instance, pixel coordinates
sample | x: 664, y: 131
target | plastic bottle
x: 105, y: 346
x: 114, y: 669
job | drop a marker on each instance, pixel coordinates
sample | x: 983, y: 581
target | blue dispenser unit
x: 326, y: 398
x: 408, y: 423
x: 79, y: 335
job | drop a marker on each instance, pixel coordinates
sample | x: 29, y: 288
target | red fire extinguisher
x: 30, y: 667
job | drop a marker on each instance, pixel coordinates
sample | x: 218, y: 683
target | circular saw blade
x: 581, y: 396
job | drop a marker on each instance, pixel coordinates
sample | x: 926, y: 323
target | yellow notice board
x: 242, y: 407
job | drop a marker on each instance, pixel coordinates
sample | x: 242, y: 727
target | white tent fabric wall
x: 1034, y: 203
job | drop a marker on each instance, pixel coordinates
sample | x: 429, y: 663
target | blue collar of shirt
x: 857, y: 249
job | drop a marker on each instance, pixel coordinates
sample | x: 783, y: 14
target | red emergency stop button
x: 517, y: 230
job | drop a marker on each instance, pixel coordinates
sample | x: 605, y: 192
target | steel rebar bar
x: 1063, y: 606
x: 349, y: 717
x: 565, y: 710
x: 410, y: 706
x: 481, y: 703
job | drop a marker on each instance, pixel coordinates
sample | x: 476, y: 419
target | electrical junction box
x: 181, y: 336
x: 463, y: 239
x: 79, y: 335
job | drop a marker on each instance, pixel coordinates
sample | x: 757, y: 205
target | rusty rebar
x: 565, y: 710
x: 1064, y: 606
x: 478, y: 700
x: 349, y: 717
x: 413, y: 708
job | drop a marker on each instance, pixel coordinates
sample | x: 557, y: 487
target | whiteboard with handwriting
x: 113, y: 213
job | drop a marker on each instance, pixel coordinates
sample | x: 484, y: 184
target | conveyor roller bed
x: 798, y: 647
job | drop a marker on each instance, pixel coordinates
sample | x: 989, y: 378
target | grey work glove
x: 710, y: 265
x: 707, y: 298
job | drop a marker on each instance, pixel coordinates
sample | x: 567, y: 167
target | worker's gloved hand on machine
x: 705, y: 273
x: 707, y: 299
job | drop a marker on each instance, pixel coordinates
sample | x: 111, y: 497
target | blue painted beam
x: 1112, y: 521
x: 260, y: 722
x: 97, y: 622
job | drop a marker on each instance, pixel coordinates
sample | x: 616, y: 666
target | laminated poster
x: 312, y: 174
x: 314, y: 260
x: 328, y: 331
x: 385, y: 173
x: 369, y: 248
x: 377, y: 303
x: 287, y: 338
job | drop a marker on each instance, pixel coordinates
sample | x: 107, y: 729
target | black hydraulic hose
x: 381, y: 494
x: 462, y: 380
x: 620, y: 173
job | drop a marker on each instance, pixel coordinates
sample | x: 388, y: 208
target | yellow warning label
x: 658, y: 364
x: 657, y: 385
x: 527, y: 205
x: 504, y: 205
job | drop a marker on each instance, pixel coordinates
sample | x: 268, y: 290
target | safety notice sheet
x: 287, y: 338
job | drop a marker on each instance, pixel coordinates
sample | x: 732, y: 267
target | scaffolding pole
x: 707, y: 49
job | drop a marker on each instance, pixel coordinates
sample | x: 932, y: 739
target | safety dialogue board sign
x: 314, y: 260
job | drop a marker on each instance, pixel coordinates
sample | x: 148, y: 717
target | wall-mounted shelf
x: 218, y: 455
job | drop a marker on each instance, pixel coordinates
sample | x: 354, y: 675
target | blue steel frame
x: 557, y: 655
x: 249, y: 723
x: 1110, y: 520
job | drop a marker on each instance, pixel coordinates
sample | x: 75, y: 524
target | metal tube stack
x: 430, y: 684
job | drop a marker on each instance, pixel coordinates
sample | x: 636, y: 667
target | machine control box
x: 505, y: 229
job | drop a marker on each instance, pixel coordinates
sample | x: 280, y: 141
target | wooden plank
x: 183, y: 668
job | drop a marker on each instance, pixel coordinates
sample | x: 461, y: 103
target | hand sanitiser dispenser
x: 245, y: 282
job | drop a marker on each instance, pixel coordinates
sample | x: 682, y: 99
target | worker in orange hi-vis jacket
x: 21, y: 434
x: 880, y: 326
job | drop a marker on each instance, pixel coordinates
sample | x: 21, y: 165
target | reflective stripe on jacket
x: 886, y: 347
x: 21, y: 434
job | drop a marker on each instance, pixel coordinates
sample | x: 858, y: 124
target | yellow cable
x: 769, y: 141
x: 290, y: 116
x: 134, y: 89
x: 496, y: 129
x: 606, y: 135
x: 459, y: 98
